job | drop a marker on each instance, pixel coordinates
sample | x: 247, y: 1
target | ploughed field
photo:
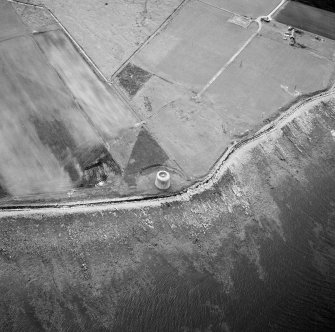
x: 322, y: 4
x: 319, y: 19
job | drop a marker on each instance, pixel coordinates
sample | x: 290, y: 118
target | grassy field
x: 268, y: 75
x: 188, y: 53
x: 110, y: 31
x: 252, y: 9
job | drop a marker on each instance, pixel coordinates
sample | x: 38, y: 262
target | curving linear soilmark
x: 138, y: 202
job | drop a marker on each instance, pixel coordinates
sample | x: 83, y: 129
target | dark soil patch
x: 146, y: 153
x: 132, y: 78
x: 322, y: 4
x: 308, y: 18
x: 100, y: 170
x: 86, y: 166
x: 57, y: 137
x: 3, y: 192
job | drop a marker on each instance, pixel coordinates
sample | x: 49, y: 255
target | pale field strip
x: 82, y: 52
